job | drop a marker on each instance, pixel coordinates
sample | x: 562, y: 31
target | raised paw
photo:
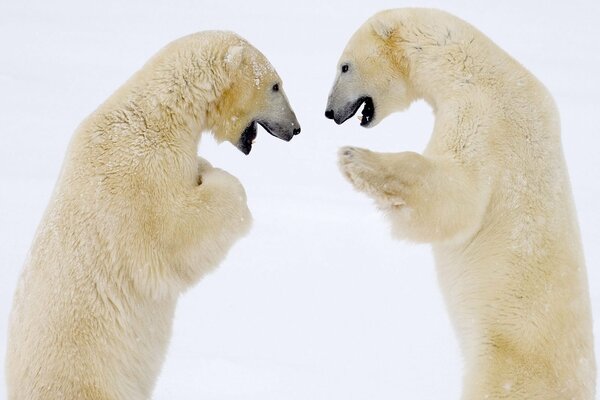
x: 374, y: 174
x: 361, y: 168
x: 203, y: 167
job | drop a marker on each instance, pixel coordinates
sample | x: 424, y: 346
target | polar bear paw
x: 361, y: 168
x: 229, y: 187
x: 368, y: 172
x: 203, y: 167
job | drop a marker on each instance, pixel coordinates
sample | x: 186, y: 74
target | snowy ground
x: 317, y: 302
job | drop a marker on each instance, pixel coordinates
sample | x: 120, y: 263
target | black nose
x: 329, y: 114
x: 296, y: 131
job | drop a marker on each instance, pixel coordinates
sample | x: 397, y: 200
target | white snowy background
x: 318, y: 302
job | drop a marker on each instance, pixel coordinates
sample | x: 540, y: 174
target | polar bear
x: 136, y: 218
x: 490, y: 192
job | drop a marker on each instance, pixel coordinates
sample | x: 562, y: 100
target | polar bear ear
x: 382, y: 28
x: 234, y: 57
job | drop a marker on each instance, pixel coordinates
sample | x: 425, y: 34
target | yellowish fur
x: 491, y: 192
x: 135, y: 218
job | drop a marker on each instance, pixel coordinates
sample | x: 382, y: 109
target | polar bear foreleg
x: 202, y: 222
x: 428, y: 199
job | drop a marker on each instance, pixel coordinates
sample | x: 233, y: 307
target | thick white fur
x: 135, y: 219
x: 490, y: 192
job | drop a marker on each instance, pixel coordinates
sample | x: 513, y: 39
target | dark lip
x: 368, y: 112
x: 245, y: 142
x: 249, y: 134
x: 269, y: 129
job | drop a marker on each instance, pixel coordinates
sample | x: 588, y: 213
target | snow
x: 318, y: 302
x: 232, y: 53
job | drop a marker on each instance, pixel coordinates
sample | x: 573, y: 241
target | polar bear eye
x: 276, y: 87
x: 345, y: 68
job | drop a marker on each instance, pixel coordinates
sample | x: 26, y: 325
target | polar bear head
x: 372, y: 71
x: 252, y: 95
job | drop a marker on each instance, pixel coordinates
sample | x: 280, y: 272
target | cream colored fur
x: 491, y: 192
x: 136, y: 218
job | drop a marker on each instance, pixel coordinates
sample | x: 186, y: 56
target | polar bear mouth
x: 247, y: 138
x: 368, y: 111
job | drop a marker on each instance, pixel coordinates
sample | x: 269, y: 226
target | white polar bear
x: 136, y: 218
x: 491, y: 193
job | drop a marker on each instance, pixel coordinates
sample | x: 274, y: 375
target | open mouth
x: 368, y: 111
x: 247, y: 139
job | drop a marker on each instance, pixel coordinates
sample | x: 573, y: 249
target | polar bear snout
x: 279, y: 119
x: 275, y: 116
x: 284, y: 130
x: 346, y: 111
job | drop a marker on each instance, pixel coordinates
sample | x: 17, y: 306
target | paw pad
x: 348, y: 151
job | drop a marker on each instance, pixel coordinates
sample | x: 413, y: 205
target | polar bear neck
x: 447, y: 56
x: 183, y: 91
x: 159, y: 113
x: 173, y: 93
x: 440, y: 73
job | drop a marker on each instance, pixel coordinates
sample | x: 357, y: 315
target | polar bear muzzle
x: 280, y: 130
x: 285, y: 131
x: 342, y: 114
x: 247, y: 138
